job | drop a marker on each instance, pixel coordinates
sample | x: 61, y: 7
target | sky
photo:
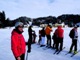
x: 39, y: 8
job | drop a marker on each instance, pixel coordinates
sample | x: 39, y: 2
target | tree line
x: 6, y: 22
x: 68, y: 19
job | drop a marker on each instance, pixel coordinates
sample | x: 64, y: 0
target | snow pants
x: 42, y: 42
x: 74, y: 44
x: 59, y: 44
x: 48, y: 40
x: 22, y: 57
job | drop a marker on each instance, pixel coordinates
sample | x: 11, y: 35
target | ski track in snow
x: 37, y: 52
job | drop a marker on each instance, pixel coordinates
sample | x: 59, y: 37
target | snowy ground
x: 37, y: 52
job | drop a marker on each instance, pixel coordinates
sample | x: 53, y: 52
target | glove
x: 26, y: 43
x: 18, y: 58
x: 76, y: 37
x: 28, y: 51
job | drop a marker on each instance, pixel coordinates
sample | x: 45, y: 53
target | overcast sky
x: 39, y: 8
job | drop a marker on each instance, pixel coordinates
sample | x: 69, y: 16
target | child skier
x: 42, y: 42
x: 33, y: 37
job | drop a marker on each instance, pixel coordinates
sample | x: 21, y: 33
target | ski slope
x: 37, y: 53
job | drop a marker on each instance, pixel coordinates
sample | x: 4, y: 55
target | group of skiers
x: 18, y: 43
x: 57, y: 37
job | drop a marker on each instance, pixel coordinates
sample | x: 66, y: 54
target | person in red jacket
x: 18, y: 45
x: 60, y: 35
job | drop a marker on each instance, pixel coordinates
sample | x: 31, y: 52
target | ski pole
x: 27, y: 56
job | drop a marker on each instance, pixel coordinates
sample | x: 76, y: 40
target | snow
x: 37, y: 52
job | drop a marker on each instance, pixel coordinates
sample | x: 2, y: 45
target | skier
x: 33, y: 37
x: 74, y: 36
x: 42, y: 37
x: 30, y: 38
x: 48, y: 31
x: 18, y: 45
x: 60, y: 35
x: 39, y: 37
x: 54, y: 37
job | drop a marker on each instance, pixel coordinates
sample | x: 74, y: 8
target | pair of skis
x: 73, y: 54
x: 45, y: 48
x: 57, y: 52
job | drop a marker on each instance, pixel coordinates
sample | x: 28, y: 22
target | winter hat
x: 18, y: 24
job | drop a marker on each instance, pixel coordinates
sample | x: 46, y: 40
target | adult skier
x: 74, y: 36
x: 54, y: 37
x: 18, y: 45
x: 48, y: 31
x: 30, y: 38
x: 60, y: 36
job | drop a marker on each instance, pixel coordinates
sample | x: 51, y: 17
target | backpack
x: 71, y: 34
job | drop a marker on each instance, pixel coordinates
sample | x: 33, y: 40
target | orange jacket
x: 18, y: 45
x: 48, y: 30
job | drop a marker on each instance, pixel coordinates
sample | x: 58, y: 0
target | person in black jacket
x: 42, y: 37
x: 54, y: 37
x: 39, y: 37
x: 30, y: 38
x: 33, y: 37
x: 74, y: 36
